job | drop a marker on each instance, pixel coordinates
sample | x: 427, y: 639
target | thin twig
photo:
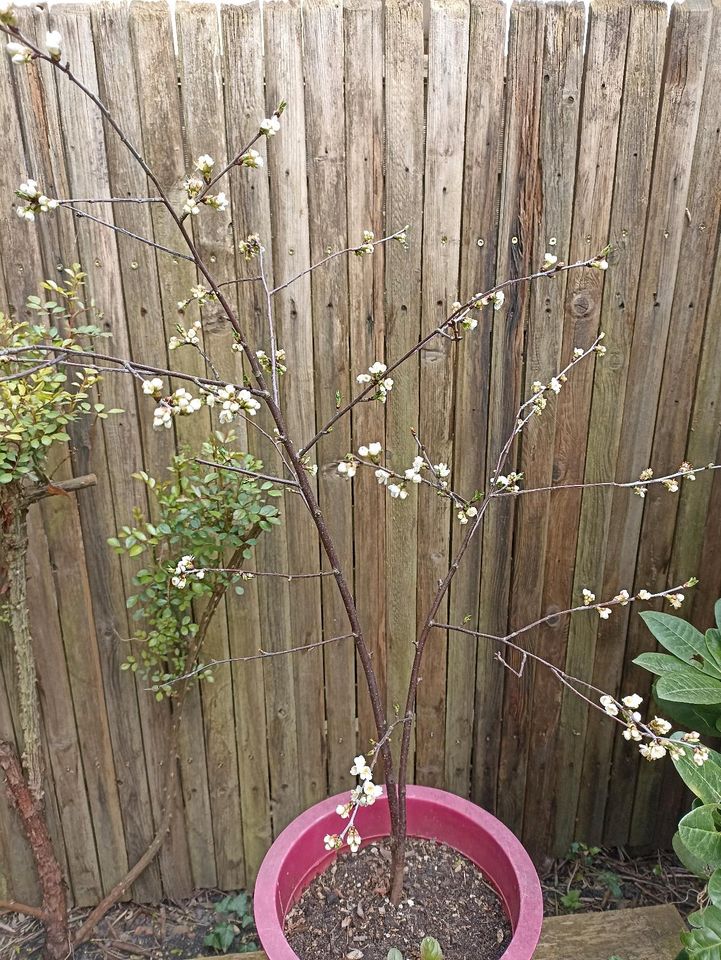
x: 83, y: 215
x: 248, y: 473
x: 261, y: 655
x: 342, y: 411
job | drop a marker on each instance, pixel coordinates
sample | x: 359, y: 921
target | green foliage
x: 430, y: 950
x: 235, y: 917
x: 201, y: 512
x: 688, y: 688
x: 572, y: 900
x: 612, y: 882
x: 35, y: 409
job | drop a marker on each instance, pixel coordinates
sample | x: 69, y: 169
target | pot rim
x: 268, y: 909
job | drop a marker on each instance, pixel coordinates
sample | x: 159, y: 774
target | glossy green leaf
x: 692, y: 864
x: 704, y: 781
x: 689, y: 685
x: 699, y: 834
x: 659, y: 663
x: 681, y: 639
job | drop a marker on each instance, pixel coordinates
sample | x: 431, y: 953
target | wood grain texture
x: 404, y: 206
x: 632, y: 182
x: 600, y: 118
x: 364, y: 131
x: 644, y: 933
x: 530, y: 701
x: 323, y: 69
x: 474, y: 707
x: 448, y: 39
x: 681, y: 99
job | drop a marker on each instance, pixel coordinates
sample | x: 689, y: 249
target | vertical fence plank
x: 660, y: 528
x: 184, y: 853
x: 481, y: 197
x: 518, y: 211
x: 363, y: 43
x: 525, y: 737
x: 404, y: 205
x: 323, y: 68
x: 244, y: 106
x: 686, y: 58
x: 600, y: 114
x: 632, y: 183
x: 298, y: 693
x: 201, y: 84
x: 448, y: 38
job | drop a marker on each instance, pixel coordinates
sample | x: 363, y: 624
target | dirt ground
x: 587, y: 879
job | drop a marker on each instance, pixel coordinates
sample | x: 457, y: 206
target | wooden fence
x: 583, y: 133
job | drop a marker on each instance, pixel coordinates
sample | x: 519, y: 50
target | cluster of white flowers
x: 194, y: 185
x: 251, y: 246
x: 509, y: 484
x: 190, y: 336
x: 200, y: 295
x: 600, y: 263
x: 232, y: 402
x: 467, y: 513
x: 270, y: 126
x: 364, y: 794
x: 670, y: 483
x: 35, y: 201
x: 185, y: 567
x: 19, y: 53
x: 655, y: 745
x: 465, y: 319
x: 366, y: 246
x: 264, y: 361
x: 370, y: 451
x: 550, y: 261
x: 347, y: 468
x: 180, y: 403
x: 375, y: 374
x: 251, y: 159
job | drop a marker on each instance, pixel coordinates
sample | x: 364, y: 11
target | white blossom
x: 382, y: 476
x: 675, y: 599
x: 600, y: 263
x: 354, y: 839
x: 442, y: 470
x: 7, y: 13
x: 347, y: 468
x: 218, y: 201
x: 377, y: 368
x: 622, y: 597
x: 644, y: 595
x: 692, y: 737
x: 555, y: 385
x: 609, y: 705
x: 588, y: 596
x: 549, y: 261
x: 604, y: 612
x: 191, y: 206
x: 577, y: 353
x: 53, y: 43
x: 251, y: 159
x: 152, y: 387
x: 270, y: 126
x: 397, y: 492
x: 332, y: 841
x: 19, y: 52
x: 205, y: 164
x: 653, y: 750
x: 632, y: 701
x: 660, y: 726
x: 700, y: 756
x: 360, y: 768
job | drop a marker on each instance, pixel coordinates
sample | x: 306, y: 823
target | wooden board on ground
x: 644, y: 933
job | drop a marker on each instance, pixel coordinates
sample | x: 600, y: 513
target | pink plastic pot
x: 298, y: 856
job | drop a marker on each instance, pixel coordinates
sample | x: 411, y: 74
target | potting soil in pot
x: 345, y: 913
